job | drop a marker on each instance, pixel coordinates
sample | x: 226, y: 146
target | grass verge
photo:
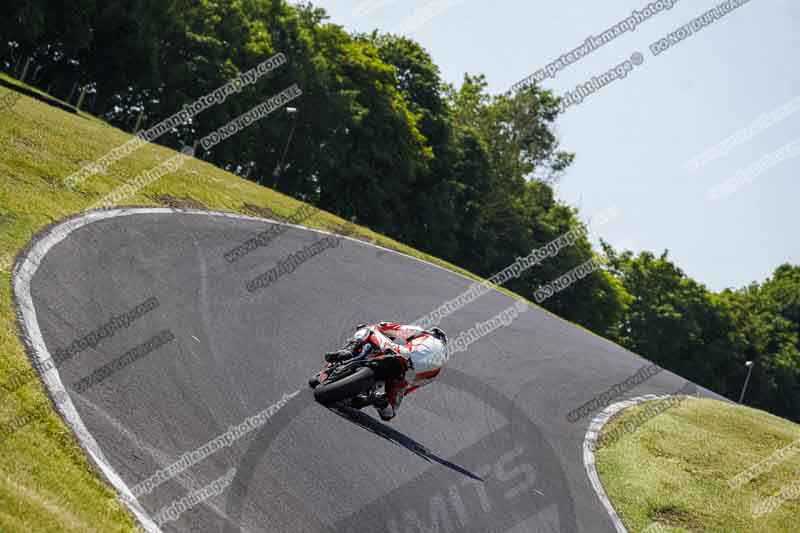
x: 672, y: 473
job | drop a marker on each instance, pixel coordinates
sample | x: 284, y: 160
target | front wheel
x: 360, y: 381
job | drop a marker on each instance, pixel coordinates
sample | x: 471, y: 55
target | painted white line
x: 22, y: 275
x: 590, y: 441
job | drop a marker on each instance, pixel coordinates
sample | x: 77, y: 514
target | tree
x: 767, y: 330
x: 674, y: 321
x: 431, y: 220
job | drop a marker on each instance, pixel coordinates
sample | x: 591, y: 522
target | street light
x: 749, y: 365
x: 292, y: 111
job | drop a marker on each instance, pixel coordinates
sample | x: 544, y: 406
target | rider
x: 420, y: 355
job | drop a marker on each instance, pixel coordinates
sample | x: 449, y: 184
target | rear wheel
x: 358, y: 382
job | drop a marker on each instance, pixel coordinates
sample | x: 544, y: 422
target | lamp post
x: 749, y: 365
x: 292, y: 111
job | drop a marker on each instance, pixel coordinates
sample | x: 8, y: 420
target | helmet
x: 439, y: 334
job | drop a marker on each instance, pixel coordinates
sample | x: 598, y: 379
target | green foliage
x: 767, y: 330
x: 706, y: 337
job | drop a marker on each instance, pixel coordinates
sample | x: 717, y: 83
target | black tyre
x: 360, y: 381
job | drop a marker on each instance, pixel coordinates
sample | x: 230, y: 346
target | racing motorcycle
x: 357, y: 382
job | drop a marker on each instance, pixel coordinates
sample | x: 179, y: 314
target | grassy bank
x: 672, y: 474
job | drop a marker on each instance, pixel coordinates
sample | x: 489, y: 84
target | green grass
x: 674, y: 470
x: 46, y: 483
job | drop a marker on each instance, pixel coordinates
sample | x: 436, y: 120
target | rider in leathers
x: 419, y: 354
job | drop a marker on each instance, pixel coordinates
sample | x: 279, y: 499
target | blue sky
x: 635, y: 137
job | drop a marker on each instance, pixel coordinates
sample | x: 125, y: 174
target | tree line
x: 380, y: 139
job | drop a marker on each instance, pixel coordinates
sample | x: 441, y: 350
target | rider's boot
x: 386, y: 413
x: 390, y: 403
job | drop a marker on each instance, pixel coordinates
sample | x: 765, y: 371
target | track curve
x: 487, y: 448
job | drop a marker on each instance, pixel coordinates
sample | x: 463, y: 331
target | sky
x: 642, y: 176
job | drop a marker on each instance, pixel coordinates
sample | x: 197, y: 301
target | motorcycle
x: 357, y: 382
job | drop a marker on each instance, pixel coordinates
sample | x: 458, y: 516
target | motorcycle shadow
x: 397, y: 438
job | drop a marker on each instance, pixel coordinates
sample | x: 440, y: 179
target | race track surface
x: 487, y: 448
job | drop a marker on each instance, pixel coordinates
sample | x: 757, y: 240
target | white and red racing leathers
x: 424, y: 354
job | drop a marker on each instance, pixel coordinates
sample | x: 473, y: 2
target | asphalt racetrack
x: 487, y: 448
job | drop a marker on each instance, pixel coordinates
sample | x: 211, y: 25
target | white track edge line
x: 590, y: 440
x: 22, y: 275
